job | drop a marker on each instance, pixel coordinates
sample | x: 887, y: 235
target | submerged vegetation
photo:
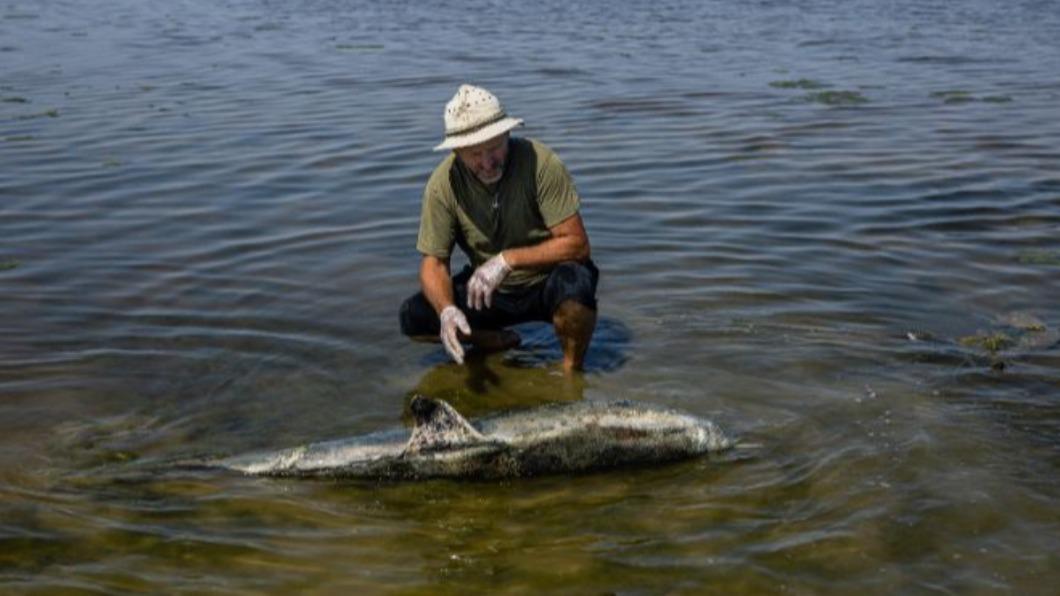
x: 837, y: 98
x: 798, y: 84
x: 993, y: 342
x: 955, y: 96
x: 1014, y: 331
x: 359, y: 47
x: 829, y: 98
x: 1040, y: 257
x: 52, y: 113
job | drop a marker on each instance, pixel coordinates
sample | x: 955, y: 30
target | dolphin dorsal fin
x: 439, y: 426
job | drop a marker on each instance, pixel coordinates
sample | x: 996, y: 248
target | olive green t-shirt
x: 535, y: 193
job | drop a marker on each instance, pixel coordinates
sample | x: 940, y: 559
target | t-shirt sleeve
x: 437, y: 225
x: 557, y: 196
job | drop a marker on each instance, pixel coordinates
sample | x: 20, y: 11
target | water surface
x: 831, y: 226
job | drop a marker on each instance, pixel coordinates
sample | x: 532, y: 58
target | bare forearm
x: 435, y: 281
x: 569, y: 242
x: 547, y: 253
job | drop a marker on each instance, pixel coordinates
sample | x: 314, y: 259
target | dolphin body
x: 565, y: 437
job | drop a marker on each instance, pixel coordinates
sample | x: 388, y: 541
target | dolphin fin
x: 439, y: 427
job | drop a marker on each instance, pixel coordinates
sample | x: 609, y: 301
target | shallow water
x: 809, y: 220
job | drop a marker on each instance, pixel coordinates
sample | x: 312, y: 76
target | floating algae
x: 52, y: 113
x: 9, y: 264
x: 955, y: 96
x: 1040, y: 257
x: 353, y: 47
x: 15, y: 99
x: 993, y: 342
x: 1022, y: 320
x: 799, y: 84
x: 1017, y: 331
x: 837, y: 98
x: 1030, y: 332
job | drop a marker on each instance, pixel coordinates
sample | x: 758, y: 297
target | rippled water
x: 831, y: 226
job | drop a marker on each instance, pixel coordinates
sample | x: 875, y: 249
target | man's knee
x: 573, y: 281
x: 417, y: 317
x: 572, y: 312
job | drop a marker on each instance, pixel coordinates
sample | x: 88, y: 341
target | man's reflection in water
x: 524, y: 377
x: 488, y: 383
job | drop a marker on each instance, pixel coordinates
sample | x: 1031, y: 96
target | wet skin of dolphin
x: 566, y: 437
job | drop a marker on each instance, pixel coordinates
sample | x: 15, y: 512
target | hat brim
x: 481, y: 135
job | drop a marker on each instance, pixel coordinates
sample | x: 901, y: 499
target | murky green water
x: 834, y: 227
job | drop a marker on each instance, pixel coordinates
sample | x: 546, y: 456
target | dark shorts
x: 569, y: 280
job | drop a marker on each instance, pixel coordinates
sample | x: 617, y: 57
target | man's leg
x: 570, y: 295
x: 574, y: 323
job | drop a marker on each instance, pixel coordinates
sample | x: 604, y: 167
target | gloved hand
x: 452, y: 321
x: 485, y: 281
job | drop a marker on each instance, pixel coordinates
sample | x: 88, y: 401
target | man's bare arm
x: 435, y: 281
x: 569, y: 242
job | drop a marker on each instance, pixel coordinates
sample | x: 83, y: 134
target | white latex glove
x: 452, y: 321
x: 485, y: 281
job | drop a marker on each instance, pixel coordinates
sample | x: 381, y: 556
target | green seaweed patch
x: 993, y: 342
x: 1040, y: 257
x: 9, y: 264
x: 1024, y: 321
x: 953, y: 96
x: 997, y: 99
x: 837, y: 98
x: 15, y: 99
x: 798, y: 84
x: 110, y: 162
x: 19, y: 138
x: 359, y: 47
x: 52, y: 113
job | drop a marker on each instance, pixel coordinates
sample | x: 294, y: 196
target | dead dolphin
x: 565, y: 437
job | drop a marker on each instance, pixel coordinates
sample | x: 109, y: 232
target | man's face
x: 486, y: 160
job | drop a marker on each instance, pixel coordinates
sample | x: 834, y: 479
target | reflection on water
x: 830, y: 226
x: 526, y: 376
x: 489, y: 383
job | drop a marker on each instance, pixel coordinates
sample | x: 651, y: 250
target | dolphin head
x: 709, y: 437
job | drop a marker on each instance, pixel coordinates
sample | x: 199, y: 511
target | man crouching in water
x: 511, y: 206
